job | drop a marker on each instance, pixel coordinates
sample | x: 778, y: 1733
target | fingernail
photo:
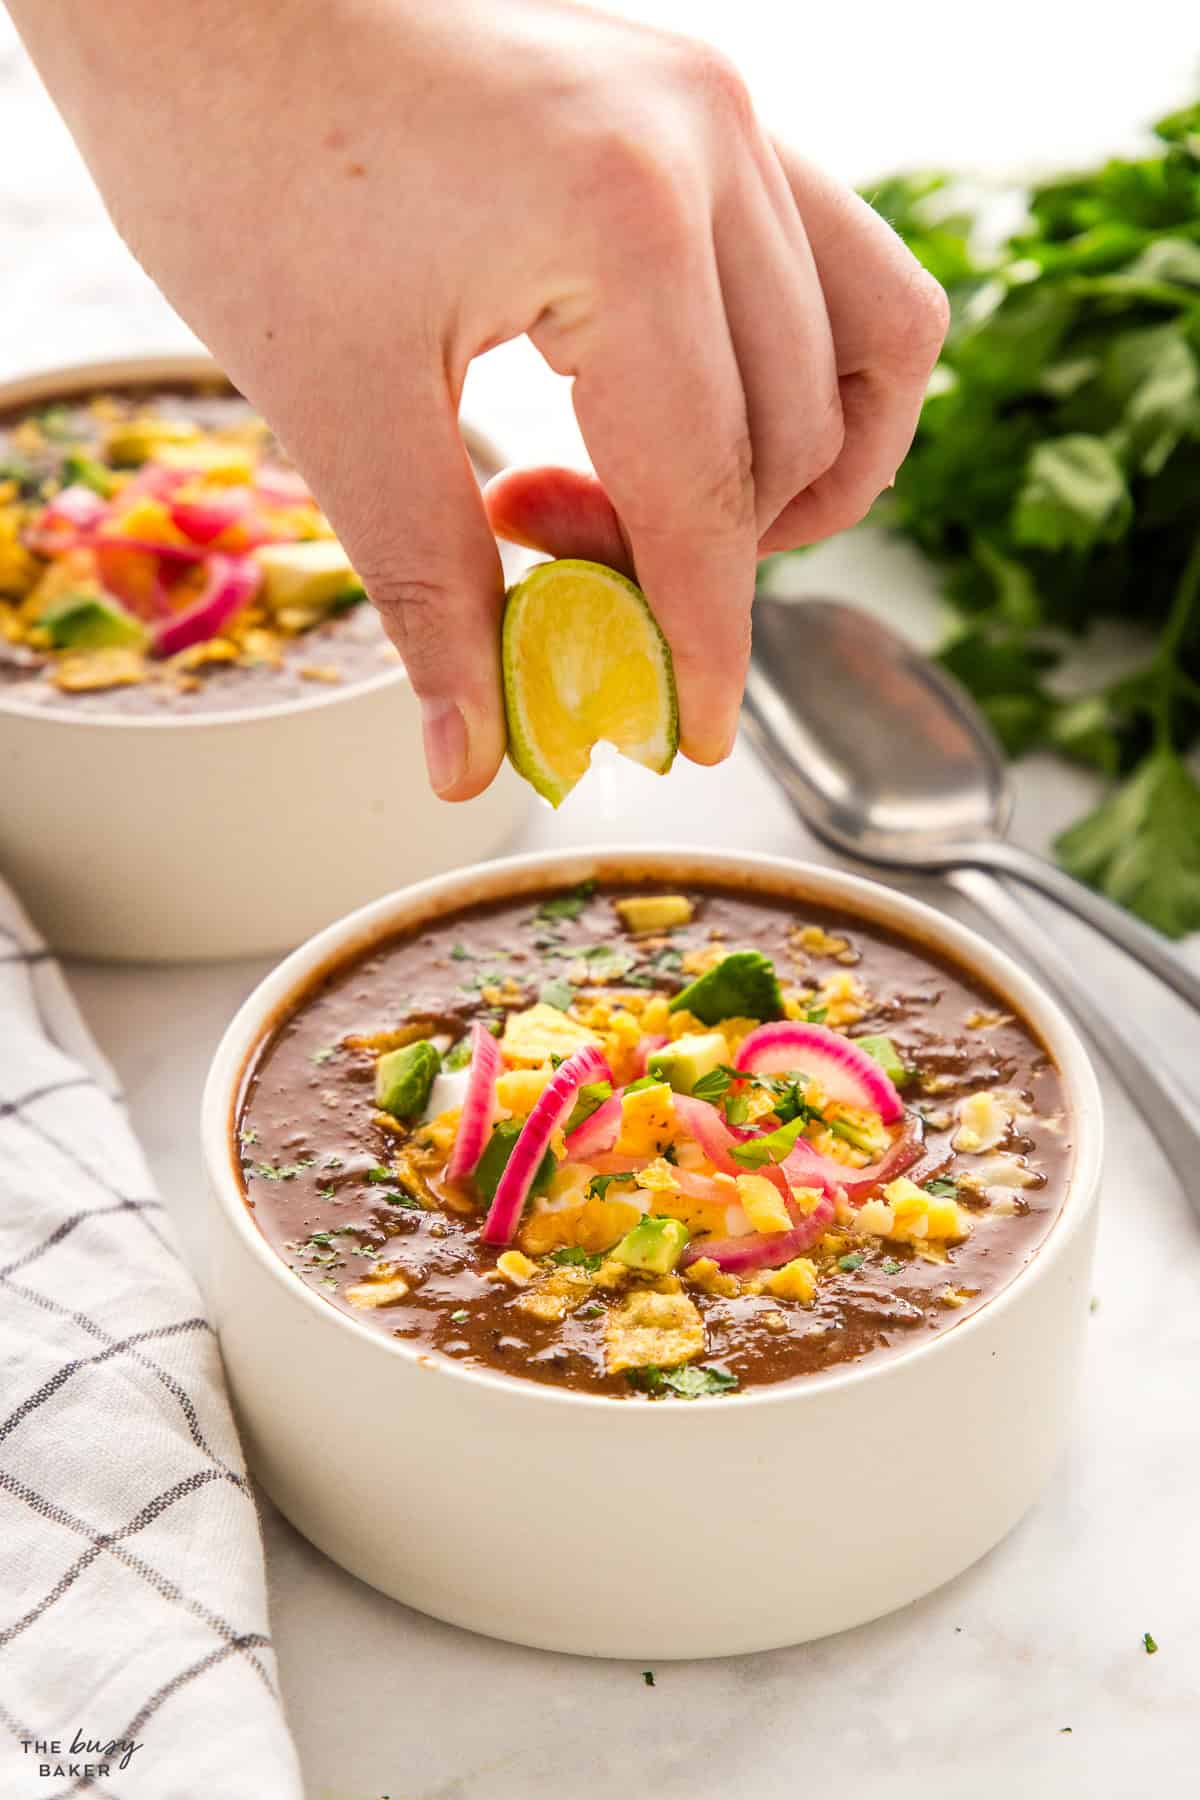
x: 445, y: 733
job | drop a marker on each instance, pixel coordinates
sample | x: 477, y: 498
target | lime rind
x: 655, y: 750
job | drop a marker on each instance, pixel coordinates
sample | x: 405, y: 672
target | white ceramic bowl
x: 587, y: 1524
x: 226, y: 833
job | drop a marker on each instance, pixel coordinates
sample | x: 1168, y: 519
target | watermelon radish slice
x: 553, y: 1105
x: 479, y: 1104
x: 844, y: 1071
x: 763, y: 1249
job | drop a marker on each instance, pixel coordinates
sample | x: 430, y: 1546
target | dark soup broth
x: 654, y: 1143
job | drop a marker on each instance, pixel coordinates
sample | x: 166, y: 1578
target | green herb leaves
x: 688, y: 1383
x: 1142, y: 845
x: 566, y: 906
x: 1054, y: 476
x: 772, y: 1147
x: 574, y: 1256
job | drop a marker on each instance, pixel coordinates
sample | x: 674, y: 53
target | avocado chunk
x: 85, y: 471
x: 494, y: 1161
x: 654, y: 1245
x: 90, y: 622
x: 742, y: 986
x: 887, y: 1056
x: 307, y: 581
x: 404, y: 1077
x: 688, y: 1059
x: 646, y: 913
x: 134, y: 441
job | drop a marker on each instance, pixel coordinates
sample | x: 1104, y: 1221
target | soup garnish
x: 153, y: 542
x: 654, y: 1144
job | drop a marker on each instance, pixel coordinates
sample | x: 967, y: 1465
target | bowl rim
x: 350, y: 937
x: 194, y: 368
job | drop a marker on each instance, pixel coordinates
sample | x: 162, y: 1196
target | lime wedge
x: 584, y: 662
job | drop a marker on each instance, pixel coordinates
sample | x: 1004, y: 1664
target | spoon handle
x: 1171, y: 1114
x: 1150, y: 948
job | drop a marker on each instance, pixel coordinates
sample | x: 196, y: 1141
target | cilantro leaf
x: 941, y: 1188
x: 1141, y: 846
x: 688, y: 1383
x: 743, y: 985
x: 566, y: 906
x: 558, y: 993
x: 575, y: 1256
x: 772, y: 1147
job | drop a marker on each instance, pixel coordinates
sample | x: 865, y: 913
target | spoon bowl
x: 884, y: 755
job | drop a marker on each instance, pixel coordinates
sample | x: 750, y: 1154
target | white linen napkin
x: 133, y: 1614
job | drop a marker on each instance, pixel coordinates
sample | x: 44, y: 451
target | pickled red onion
x: 479, y: 1104
x: 553, y: 1105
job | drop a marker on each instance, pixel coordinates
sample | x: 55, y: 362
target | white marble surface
x: 969, y: 1691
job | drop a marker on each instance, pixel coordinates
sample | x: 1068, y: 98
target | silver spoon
x: 888, y: 760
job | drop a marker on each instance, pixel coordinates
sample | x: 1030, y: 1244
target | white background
x: 967, y: 1692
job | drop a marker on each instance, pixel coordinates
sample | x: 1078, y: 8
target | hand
x: 350, y: 199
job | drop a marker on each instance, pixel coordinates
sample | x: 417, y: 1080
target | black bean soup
x: 657, y: 1143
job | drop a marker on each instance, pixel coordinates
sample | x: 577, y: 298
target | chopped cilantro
x: 644, y: 1081
x: 772, y: 1147
x: 323, y: 1055
x: 743, y: 985
x: 590, y: 1312
x: 716, y: 1084
x: 282, y: 1171
x: 325, y: 1193
x: 1149, y: 1643
x: 942, y: 1188
x: 855, y: 1260
x: 460, y: 1315
x: 403, y: 1198
x: 248, y: 1136
x: 566, y: 906
x: 588, y: 1098
x: 1094, y: 1303
x: 788, y: 1101
x: 380, y: 1174
x: 648, y: 1677
x: 816, y: 1015
x: 599, y: 1185
x: 557, y: 993
x: 574, y: 1256
x: 688, y: 1383
x: 890, y: 1266
x: 460, y: 953
x: 607, y: 962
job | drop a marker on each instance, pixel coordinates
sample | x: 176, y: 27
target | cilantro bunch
x: 1056, y: 477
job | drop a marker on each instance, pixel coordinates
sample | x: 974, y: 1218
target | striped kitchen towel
x: 135, y: 1660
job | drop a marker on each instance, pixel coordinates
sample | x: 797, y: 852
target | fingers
x: 782, y: 340
x: 400, y: 491
x: 659, y: 400
x: 562, y: 512
x: 889, y: 319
